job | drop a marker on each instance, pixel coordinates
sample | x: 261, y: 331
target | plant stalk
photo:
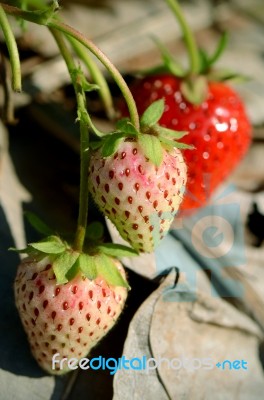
x: 84, y: 141
x: 189, y: 39
x: 12, y: 50
x: 49, y: 20
x: 97, y: 77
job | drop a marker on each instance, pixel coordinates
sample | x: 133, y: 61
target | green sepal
x: 38, y: 224
x: 184, y: 146
x: 170, y: 133
x: 172, y: 143
x: 153, y: 113
x: 79, y: 78
x: 95, y: 231
x: 195, y: 90
x: 96, y: 144
x: 49, y: 245
x: 124, y: 125
x: 203, y: 58
x: 111, y: 143
x: 170, y: 64
x: 222, y: 75
x: 62, y: 264
x: 152, y: 148
x: 28, y: 250
x: 73, y: 271
x: 117, y: 250
x: 106, y: 268
x: 87, y: 265
x: 219, y: 50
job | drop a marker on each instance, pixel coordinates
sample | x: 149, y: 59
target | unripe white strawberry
x: 140, y: 198
x: 70, y: 318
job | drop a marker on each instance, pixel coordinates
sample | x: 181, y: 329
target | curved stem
x: 12, y: 50
x: 68, y: 30
x: 84, y: 193
x: 84, y: 141
x: 48, y: 20
x: 97, y: 77
x: 188, y: 36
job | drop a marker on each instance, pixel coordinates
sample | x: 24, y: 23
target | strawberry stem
x: 97, y: 77
x: 84, y: 121
x: 12, y: 50
x: 48, y: 19
x: 68, y: 30
x: 188, y: 37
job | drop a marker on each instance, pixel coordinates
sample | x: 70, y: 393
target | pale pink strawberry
x: 68, y: 319
x: 140, y: 198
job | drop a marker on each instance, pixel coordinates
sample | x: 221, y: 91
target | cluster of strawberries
x: 190, y: 126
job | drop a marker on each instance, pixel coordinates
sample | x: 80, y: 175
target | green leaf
x: 151, y: 147
x: 49, y: 245
x: 125, y: 126
x: 106, y: 268
x: 63, y: 264
x: 195, y: 91
x: 38, y: 224
x: 94, y: 145
x: 153, y: 113
x: 121, y: 123
x: 184, y: 146
x: 203, y: 61
x: 170, y: 133
x: 221, y: 75
x: 117, y: 250
x: 27, y: 250
x: 95, y: 231
x: 111, y: 143
x: 178, y: 145
x: 219, y: 50
x: 87, y: 265
x: 170, y: 63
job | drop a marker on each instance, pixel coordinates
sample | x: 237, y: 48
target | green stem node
x: 97, y: 77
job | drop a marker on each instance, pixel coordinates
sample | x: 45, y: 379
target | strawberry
x: 140, y: 186
x: 198, y: 101
x: 218, y: 128
x: 70, y: 315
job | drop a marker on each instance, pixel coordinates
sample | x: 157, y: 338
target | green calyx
x: 151, y: 137
x: 98, y: 261
x: 194, y: 85
x: 194, y: 79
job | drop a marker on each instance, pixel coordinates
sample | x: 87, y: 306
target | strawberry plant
x: 200, y: 101
x: 69, y: 293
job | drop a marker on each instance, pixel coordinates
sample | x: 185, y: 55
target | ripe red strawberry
x: 218, y: 128
x: 137, y: 178
x: 198, y: 100
x: 68, y: 318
